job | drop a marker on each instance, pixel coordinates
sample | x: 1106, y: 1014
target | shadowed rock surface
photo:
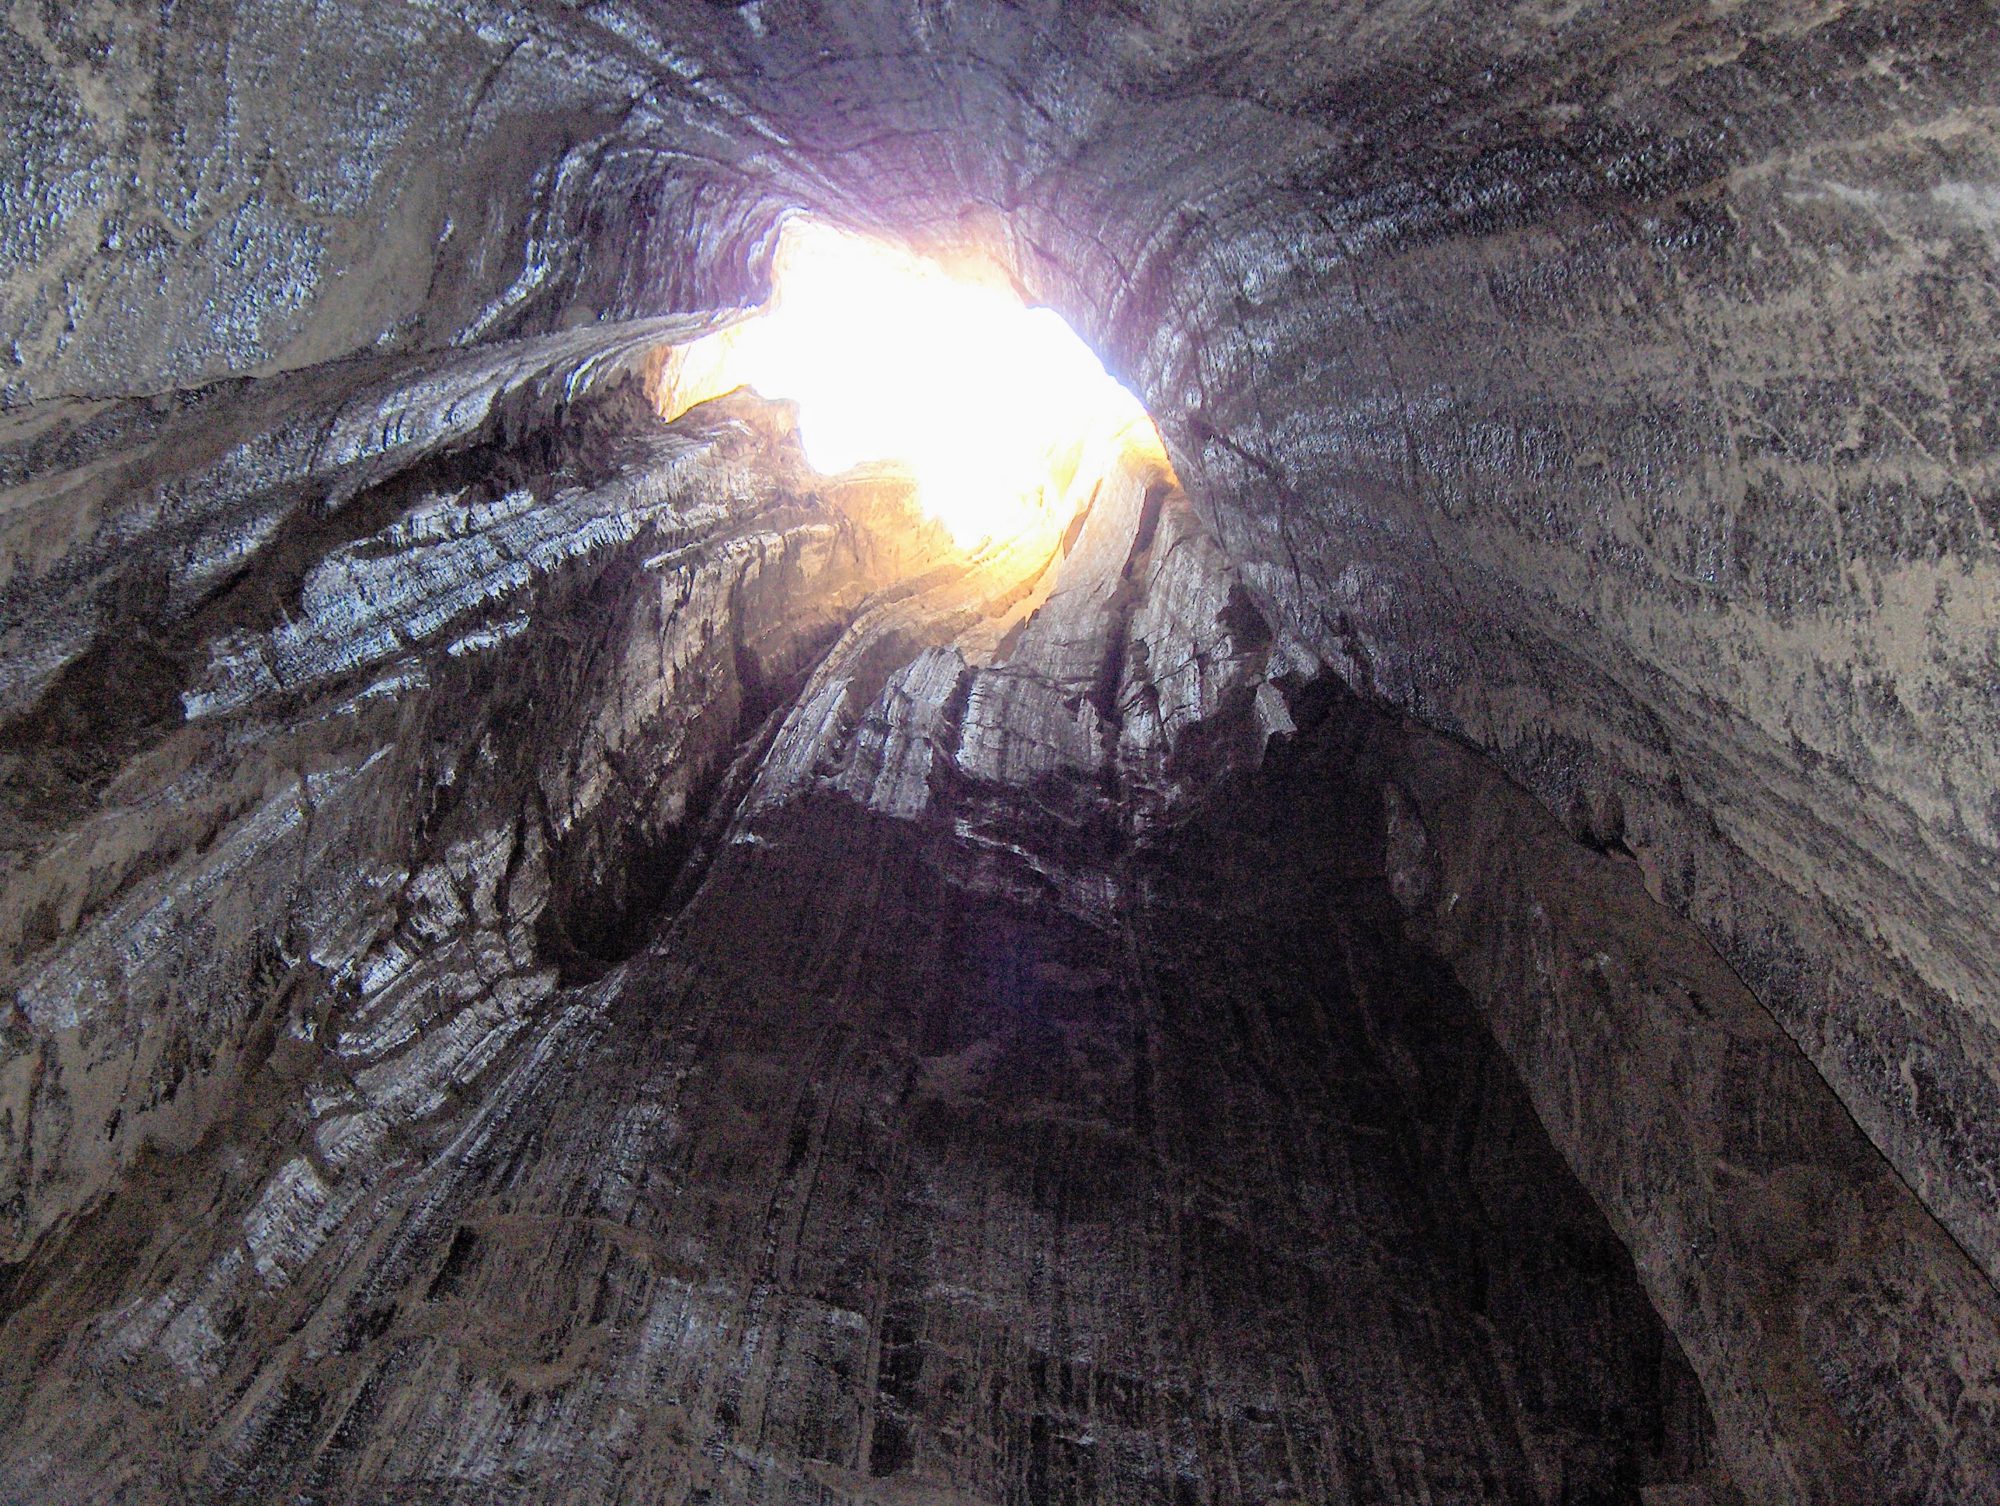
x: 1441, y: 947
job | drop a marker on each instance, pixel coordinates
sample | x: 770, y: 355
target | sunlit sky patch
x: 894, y: 359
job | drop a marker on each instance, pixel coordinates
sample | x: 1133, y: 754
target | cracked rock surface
x: 1435, y: 943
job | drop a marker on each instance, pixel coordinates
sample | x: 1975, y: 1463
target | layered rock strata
x: 803, y: 1044
x: 386, y: 696
x: 1607, y: 384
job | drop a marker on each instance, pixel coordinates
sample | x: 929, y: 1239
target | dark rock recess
x: 1446, y: 949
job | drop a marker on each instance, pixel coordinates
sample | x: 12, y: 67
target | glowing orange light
x: 893, y: 359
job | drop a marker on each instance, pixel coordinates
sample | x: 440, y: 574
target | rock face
x: 1440, y: 946
x: 865, y: 1186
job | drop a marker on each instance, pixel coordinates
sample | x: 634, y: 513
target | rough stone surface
x: 972, y: 1132
x: 556, y: 959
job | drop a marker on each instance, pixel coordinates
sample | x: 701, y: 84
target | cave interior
x: 1402, y: 907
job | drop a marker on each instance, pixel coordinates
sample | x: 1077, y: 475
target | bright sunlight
x: 890, y: 358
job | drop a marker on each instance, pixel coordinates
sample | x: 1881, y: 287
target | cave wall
x: 941, y: 1139
x: 206, y: 812
x: 207, y: 189
x: 872, y: 1185
x: 1609, y: 384
x: 1799, y: 1274
x: 1606, y: 387
x: 1640, y: 429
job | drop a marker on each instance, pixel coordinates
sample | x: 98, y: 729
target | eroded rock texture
x: 1440, y: 948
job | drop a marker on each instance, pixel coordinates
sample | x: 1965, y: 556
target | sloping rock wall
x: 1605, y: 387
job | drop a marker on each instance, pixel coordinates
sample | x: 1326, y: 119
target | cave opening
x: 996, y: 410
